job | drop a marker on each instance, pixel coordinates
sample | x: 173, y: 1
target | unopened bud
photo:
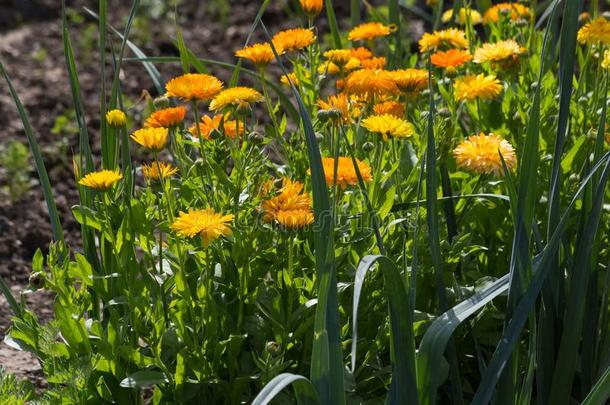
x: 368, y: 146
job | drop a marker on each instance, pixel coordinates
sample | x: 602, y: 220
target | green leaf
x: 58, y: 233
x: 144, y: 378
x: 303, y: 389
x: 600, y: 393
x: 332, y: 22
x: 402, y: 350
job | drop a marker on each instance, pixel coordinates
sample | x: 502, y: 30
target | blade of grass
x: 107, y: 147
x: 327, y: 357
x: 154, y: 74
x: 434, y: 342
x: 332, y: 23
x: 43, y: 176
x: 434, y: 240
x: 522, y: 311
x: 600, y: 393
x: 8, y: 295
x: 355, y: 10
x: 402, y: 350
x: 303, y: 389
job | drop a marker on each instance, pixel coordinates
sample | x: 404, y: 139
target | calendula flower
x: 449, y: 38
x: 193, y: 87
x: 206, y: 223
x: 153, y: 139
x: 312, y: 7
x: 259, y: 54
x: 368, y: 31
x: 481, y: 153
x: 346, y: 174
x: 477, y: 86
x: 606, y: 60
x: 167, y: 117
x: 293, y: 78
x: 339, y: 57
x: 451, y: 58
x: 389, y: 107
x: 330, y: 68
x: 584, y: 16
x: 374, y: 63
x: 294, y: 39
x: 388, y: 125
x: 508, y: 50
x: 361, y: 53
x: 410, y: 80
x: 236, y: 97
x: 158, y: 170
x: 209, y: 124
x: 338, y: 103
x: 102, y: 180
x: 370, y: 83
x: 116, y: 118
x: 294, y: 219
x: 290, y: 207
x: 595, y: 32
x: 463, y: 16
x: 515, y: 11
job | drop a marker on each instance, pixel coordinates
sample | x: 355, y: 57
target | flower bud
x: 256, y: 137
x: 273, y: 348
x: 319, y: 137
x: 368, y: 146
x: 161, y: 102
x: 116, y: 118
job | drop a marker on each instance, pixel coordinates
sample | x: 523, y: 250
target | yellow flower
x: 194, y: 87
x: 102, y: 180
x: 294, y: 219
x: 339, y: 103
x: 606, y: 60
x: 293, y: 78
x: 339, y: 57
x: 514, y: 10
x: 463, y: 14
x: 346, y: 174
x: 449, y: 38
x: 167, y: 117
x: 116, y: 118
x: 237, y: 97
x: 388, y: 125
x: 151, y: 171
x: 290, y: 207
x: 410, y: 80
x: 451, y: 58
x: 259, y: 54
x: 481, y: 153
x: 368, y: 31
x: 361, y: 53
x: 480, y: 86
x: 596, y: 31
x: 374, y: 63
x: 293, y: 39
x: 497, y: 52
x: 206, y: 223
x: 312, y: 7
x: 370, y: 83
x: 154, y: 139
x: 389, y: 107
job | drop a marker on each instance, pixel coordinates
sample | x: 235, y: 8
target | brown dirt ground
x: 31, y: 50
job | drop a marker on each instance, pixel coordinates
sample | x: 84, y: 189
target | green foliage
x: 426, y: 273
x: 15, y: 162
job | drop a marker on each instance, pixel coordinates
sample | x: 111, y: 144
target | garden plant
x: 353, y: 217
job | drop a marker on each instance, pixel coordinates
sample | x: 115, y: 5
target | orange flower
x: 374, y: 63
x: 514, y: 10
x: 194, y: 87
x: 209, y: 124
x: 337, y: 103
x: 346, y: 174
x: 361, y: 53
x: 370, y: 82
x: 449, y: 38
x: 294, y: 39
x: 389, y: 107
x: 167, y: 117
x: 451, y: 58
x: 259, y: 54
x: 312, y: 7
x: 368, y: 31
x: 291, y: 207
x: 410, y: 80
